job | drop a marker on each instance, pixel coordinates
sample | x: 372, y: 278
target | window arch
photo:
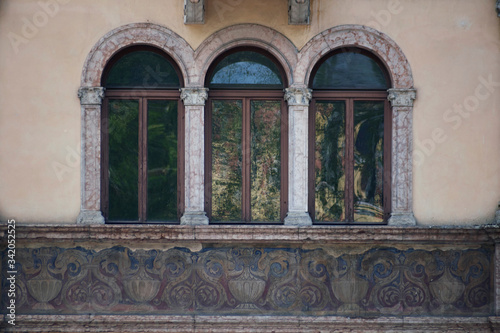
x: 246, y: 138
x: 350, y: 139
x: 142, y: 137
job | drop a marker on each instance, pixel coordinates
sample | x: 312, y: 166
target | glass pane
x: 350, y: 70
x: 142, y: 69
x: 265, y: 166
x: 226, y: 160
x: 329, y: 159
x: 368, y: 161
x: 246, y: 69
x: 162, y: 160
x: 123, y: 160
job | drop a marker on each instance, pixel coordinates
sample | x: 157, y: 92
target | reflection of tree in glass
x: 368, y: 161
x: 226, y: 160
x: 246, y: 69
x: 162, y: 160
x: 123, y: 159
x: 265, y: 160
x: 329, y: 161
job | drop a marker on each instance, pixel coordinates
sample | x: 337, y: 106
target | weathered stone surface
x: 262, y: 323
x: 194, y: 11
x: 402, y: 97
x: 299, y: 11
x: 249, y: 280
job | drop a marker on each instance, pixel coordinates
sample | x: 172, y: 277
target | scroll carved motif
x: 250, y: 280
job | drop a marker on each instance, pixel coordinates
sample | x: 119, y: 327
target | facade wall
x: 74, y: 277
x: 452, y: 47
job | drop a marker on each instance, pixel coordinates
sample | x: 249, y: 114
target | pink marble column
x: 298, y: 99
x: 402, y: 161
x: 194, y: 102
x: 90, y: 208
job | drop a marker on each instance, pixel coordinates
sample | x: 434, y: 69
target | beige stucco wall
x: 452, y: 46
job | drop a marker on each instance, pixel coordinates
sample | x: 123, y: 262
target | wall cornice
x: 43, y: 234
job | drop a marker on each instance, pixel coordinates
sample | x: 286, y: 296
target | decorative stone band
x: 298, y: 96
x: 194, y: 11
x: 91, y: 95
x: 194, y: 96
x: 402, y: 97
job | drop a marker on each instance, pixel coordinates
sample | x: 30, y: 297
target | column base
x: 298, y: 219
x: 194, y: 218
x: 90, y: 217
x: 402, y: 220
x: 497, y: 217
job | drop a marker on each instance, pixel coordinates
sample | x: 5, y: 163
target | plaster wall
x: 453, y: 47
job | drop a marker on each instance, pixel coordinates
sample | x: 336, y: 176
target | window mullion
x: 143, y: 150
x: 105, y: 158
x: 349, y: 158
x: 246, y: 159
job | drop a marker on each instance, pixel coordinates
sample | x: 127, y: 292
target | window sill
x: 255, y: 233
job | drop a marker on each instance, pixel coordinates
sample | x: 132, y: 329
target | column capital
x: 91, y: 95
x: 298, y: 96
x: 402, y: 97
x: 194, y: 96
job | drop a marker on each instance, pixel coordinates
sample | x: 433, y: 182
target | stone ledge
x: 255, y: 233
x: 288, y: 324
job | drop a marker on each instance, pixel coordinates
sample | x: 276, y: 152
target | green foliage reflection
x: 123, y: 159
x: 266, y: 160
x: 226, y: 160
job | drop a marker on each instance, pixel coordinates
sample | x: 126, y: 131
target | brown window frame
x: 142, y: 96
x: 246, y: 96
x: 350, y: 97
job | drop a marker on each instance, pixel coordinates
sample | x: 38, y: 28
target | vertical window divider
x: 349, y: 160
x: 284, y: 160
x: 387, y: 182
x: 246, y: 160
x: 143, y: 145
x: 312, y: 157
x: 105, y: 158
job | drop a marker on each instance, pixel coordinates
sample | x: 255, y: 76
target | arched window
x: 350, y: 139
x: 246, y: 139
x: 141, y: 138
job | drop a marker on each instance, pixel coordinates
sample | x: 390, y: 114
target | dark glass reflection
x: 329, y: 159
x: 123, y: 129
x: 246, y: 69
x: 162, y: 160
x: 226, y: 160
x: 142, y: 70
x: 368, y: 161
x: 350, y: 70
x: 265, y: 168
